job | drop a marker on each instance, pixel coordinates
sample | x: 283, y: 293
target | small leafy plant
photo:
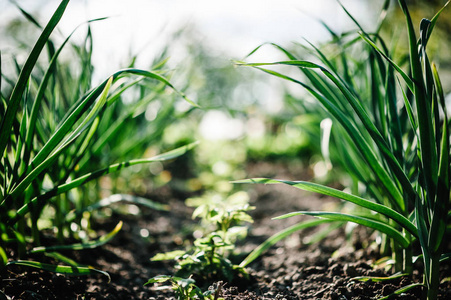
x: 393, y: 135
x: 186, y: 289
x: 221, y: 219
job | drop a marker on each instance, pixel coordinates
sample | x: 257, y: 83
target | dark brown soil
x: 290, y: 270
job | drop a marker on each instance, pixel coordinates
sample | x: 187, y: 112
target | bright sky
x: 233, y: 26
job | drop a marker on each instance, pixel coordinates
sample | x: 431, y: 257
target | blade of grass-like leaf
x: 409, y: 109
x: 161, y: 279
x: 336, y: 216
x: 323, y: 58
x: 41, y: 90
x: 29, y: 17
x: 20, y: 143
x: 445, y: 257
x: 354, y: 166
x: 69, y: 270
x: 328, y: 191
x: 55, y: 154
x: 377, y: 137
x: 351, y: 17
x: 278, y: 237
x: 322, y: 234
x: 83, y: 105
x: 441, y: 205
x: 335, y: 36
x: 158, y: 77
x: 347, y: 81
x: 428, y: 78
x: 3, y: 258
x: 434, y: 20
x: 14, y: 101
x: 92, y: 113
x: 420, y: 219
x: 382, y: 15
x: 82, y: 158
x: 380, y: 279
x: 395, y: 134
x: 439, y: 89
x: 406, y: 77
x: 427, y: 134
x: 118, y: 198
x: 117, y: 124
x: 80, y: 246
x: 376, y: 95
x: 119, y: 92
x: 64, y: 259
x: 78, y: 155
x: 83, y: 81
x: 370, y: 157
x: 2, y: 102
x: 321, y: 84
x: 256, y: 49
x: 316, y: 80
x: 402, y: 290
x: 88, y: 177
x: 370, y: 127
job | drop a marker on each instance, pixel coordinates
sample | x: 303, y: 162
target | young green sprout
x: 222, y: 221
x: 186, y: 289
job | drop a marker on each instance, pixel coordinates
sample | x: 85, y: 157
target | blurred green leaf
x: 80, y: 246
x: 19, y: 88
x: 69, y: 270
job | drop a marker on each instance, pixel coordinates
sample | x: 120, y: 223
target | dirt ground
x: 292, y: 269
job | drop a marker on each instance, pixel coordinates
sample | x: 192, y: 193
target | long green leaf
x: 83, y: 105
x: 81, y: 246
x: 420, y: 219
x: 380, y: 279
x: 402, y: 290
x: 69, y: 270
x: 3, y: 257
x: 441, y: 205
x: 118, y: 198
x: 358, y: 139
x: 360, y: 142
x: 278, y: 237
x: 324, y: 190
x: 94, y: 175
x: 423, y: 106
x: 406, y: 77
x: 55, y: 154
x: 40, y: 93
x: 434, y: 20
x: 380, y: 142
x: 377, y: 225
x: 16, y: 96
x: 64, y: 259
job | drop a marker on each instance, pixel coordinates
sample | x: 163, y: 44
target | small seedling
x: 186, y: 289
x: 207, y: 260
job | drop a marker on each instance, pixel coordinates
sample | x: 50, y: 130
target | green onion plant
x: 391, y: 130
x: 59, y: 131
